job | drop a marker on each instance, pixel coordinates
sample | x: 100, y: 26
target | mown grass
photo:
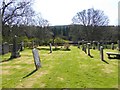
x: 60, y: 69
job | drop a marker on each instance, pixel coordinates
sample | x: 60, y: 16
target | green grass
x: 60, y: 69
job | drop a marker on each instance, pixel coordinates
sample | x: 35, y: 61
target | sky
x: 61, y: 12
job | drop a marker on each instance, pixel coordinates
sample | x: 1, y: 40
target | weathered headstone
x: 98, y: 45
x: 15, y: 53
x: 36, y: 58
x: 5, y: 48
x: 101, y: 53
x: 85, y: 47
x: 82, y: 45
x: 88, y: 44
x: 93, y: 44
x: 118, y: 45
x: 79, y: 44
x: 50, y: 48
x: 22, y: 46
x: 112, y: 46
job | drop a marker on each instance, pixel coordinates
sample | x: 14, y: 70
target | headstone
x: 15, y: 53
x: 85, y: 47
x: 33, y: 44
x: 5, y: 48
x: 118, y: 45
x: 88, y: 44
x: 82, y: 45
x: 93, y: 44
x: 22, y: 46
x: 0, y: 49
x: 79, y: 44
x: 112, y: 46
x: 36, y: 58
x: 101, y: 53
x: 98, y: 45
x: 50, y: 48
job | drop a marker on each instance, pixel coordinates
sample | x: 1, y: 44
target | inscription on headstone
x: 36, y: 58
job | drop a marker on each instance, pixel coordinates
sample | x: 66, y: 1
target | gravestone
x: 36, y: 58
x: 98, y: 45
x: 82, y: 45
x: 5, y: 48
x: 22, y: 46
x: 112, y: 46
x: 85, y: 47
x: 15, y: 53
x: 79, y: 44
x: 93, y: 44
x: 118, y: 45
x: 88, y: 45
x: 101, y: 53
x: 0, y: 49
x: 50, y: 48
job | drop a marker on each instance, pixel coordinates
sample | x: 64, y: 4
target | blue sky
x: 60, y: 12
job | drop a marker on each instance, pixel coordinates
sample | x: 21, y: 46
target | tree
x: 16, y: 11
x: 91, y: 17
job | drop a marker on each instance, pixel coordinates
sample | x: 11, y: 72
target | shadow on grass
x: 9, y: 59
x: 105, y: 61
x: 56, y: 49
x: 30, y: 73
x: 46, y: 49
x: 91, y: 56
x: 114, y: 58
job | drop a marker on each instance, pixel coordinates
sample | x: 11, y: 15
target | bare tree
x: 16, y: 11
x: 91, y: 17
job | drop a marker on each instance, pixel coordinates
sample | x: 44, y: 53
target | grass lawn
x: 60, y: 69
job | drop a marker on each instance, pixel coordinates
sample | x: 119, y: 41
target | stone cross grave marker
x: 36, y: 58
x: 101, y: 53
x: 88, y: 44
x: 50, y: 48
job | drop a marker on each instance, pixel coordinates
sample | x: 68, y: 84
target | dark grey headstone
x: 101, y: 53
x: 15, y: 53
x: 5, y: 48
x: 36, y: 58
x: 93, y: 44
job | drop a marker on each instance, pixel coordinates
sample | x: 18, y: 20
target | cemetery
x: 48, y: 67
x: 84, y: 53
